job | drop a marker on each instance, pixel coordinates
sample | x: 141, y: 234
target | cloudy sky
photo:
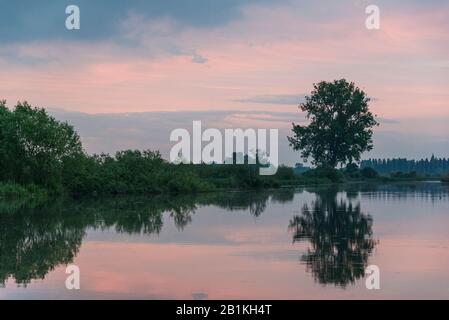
x: 137, y: 69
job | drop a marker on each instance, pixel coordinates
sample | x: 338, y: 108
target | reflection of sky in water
x: 225, y: 253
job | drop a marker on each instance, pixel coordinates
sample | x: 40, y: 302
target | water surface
x: 286, y: 244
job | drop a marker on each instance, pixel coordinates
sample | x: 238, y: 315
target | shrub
x: 352, y: 170
x: 331, y: 174
x: 15, y: 191
x: 369, y: 173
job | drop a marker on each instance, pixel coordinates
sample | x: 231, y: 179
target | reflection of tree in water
x: 32, y: 244
x: 255, y: 201
x: 33, y: 241
x: 283, y: 196
x: 340, y: 237
x: 182, y: 214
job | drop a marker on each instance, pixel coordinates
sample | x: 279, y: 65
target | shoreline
x: 17, y: 192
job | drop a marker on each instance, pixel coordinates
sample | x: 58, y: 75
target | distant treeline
x: 432, y: 167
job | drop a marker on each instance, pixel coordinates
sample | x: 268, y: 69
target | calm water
x: 288, y: 244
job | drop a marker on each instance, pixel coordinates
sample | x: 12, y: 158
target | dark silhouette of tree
x: 340, y: 237
x: 340, y: 127
x: 36, y: 148
x: 434, y: 166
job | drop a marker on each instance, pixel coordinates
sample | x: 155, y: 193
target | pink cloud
x: 271, y: 50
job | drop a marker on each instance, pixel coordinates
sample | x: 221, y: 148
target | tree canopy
x: 38, y: 152
x: 34, y: 147
x: 340, y: 128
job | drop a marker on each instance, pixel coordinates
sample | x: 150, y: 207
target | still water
x: 307, y: 243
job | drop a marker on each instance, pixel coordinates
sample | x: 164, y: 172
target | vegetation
x: 41, y: 156
x: 40, y: 153
x: 133, y: 172
x: 14, y: 191
x: 325, y: 175
x: 340, y: 130
x: 432, y: 167
x: 35, y: 149
x: 445, y: 179
x: 136, y: 172
x: 14, y: 196
x: 340, y: 127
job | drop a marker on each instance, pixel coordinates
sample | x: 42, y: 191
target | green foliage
x: 133, y: 172
x: 445, y: 179
x: 352, y: 171
x: 340, y: 128
x: 35, y: 148
x: 328, y: 173
x: 244, y: 176
x: 227, y: 176
x: 285, y: 173
x: 13, y: 190
x: 136, y: 172
x: 39, y: 153
x: 402, y: 175
x: 14, y: 196
x: 369, y: 173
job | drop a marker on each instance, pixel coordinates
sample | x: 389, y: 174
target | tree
x: 369, y: 173
x: 36, y: 148
x: 340, y: 128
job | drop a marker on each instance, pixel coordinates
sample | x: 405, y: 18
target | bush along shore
x: 15, y: 191
x: 14, y: 196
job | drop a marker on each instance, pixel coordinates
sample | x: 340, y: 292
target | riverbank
x: 14, y: 196
x: 16, y: 191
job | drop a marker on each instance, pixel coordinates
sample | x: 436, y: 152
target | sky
x: 138, y: 69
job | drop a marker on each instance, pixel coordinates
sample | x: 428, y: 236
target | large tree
x: 35, y: 147
x: 340, y: 128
